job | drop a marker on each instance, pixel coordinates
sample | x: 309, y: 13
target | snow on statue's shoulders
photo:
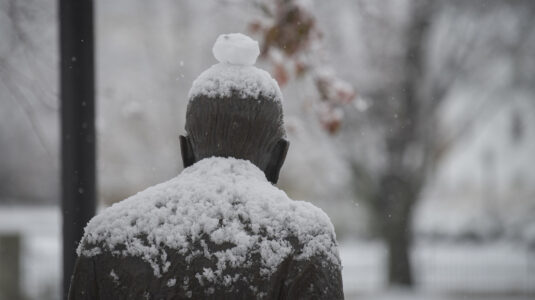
x: 235, y: 73
x: 227, y: 200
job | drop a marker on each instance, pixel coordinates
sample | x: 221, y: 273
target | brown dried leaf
x: 281, y: 75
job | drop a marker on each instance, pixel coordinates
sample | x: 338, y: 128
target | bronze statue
x: 219, y: 230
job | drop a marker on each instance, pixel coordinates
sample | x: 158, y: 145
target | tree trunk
x: 398, y: 241
x: 394, y: 210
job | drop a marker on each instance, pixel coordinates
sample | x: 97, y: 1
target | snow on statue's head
x: 235, y: 110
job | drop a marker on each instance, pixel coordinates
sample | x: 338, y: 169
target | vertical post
x: 10, y: 266
x: 77, y: 125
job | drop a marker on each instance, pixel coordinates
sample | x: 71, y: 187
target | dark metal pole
x: 77, y: 125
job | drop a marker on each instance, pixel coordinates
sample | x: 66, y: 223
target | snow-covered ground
x: 444, y: 271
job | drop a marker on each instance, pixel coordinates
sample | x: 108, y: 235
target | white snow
x: 222, y: 79
x: 223, y: 199
x: 114, y: 276
x: 171, y: 282
x: 444, y: 271
x: 483, y: 271
x: 237, y: 54
x: 236, y: 48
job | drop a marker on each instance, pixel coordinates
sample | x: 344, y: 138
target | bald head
x: 236, y: 126
x: 235, y: 110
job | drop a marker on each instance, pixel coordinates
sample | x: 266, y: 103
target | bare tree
x: 28, y: 102
x: 398, y: 116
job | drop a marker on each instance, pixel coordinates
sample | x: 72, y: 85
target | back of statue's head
x: 235, y: 110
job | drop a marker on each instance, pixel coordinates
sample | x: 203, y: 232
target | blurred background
x: 412, y: 125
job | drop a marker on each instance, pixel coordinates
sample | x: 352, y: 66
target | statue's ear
x: 188, y: 157
x: 276, y: 160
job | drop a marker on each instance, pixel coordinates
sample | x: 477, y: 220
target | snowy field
x: 443, y: 271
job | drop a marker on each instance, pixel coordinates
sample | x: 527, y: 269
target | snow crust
x: 220, y: 80
x: 236, y: 48
x: 237, y: 54
x: 217, y: 200
x: 114, y: 276
x: 171, y: 282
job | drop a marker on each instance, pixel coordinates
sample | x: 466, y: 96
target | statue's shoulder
x: 314, y: 230
x: 308, y: 214
x: 306, y: 225
x: 127, y: 220
x: 301, y: 216
x: 224, y: 207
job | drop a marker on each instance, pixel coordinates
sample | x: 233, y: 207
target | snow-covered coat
x: 219, y: 230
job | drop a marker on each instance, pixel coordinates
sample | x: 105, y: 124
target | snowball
x: 236, y: 48
x: 235, y: 74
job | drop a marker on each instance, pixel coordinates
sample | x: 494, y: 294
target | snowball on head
x: 235, y: 73
x: 236, y: 49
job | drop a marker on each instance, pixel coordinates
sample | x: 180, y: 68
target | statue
x: 220, y: 229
